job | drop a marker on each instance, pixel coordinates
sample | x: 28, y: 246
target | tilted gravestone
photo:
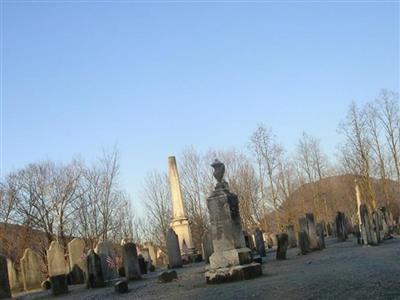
x: 130, y: 260
x: 14, y: 277
x: 5, y: 291
x: 105, y: 251
x: 32, y: 276
x: 174, y: 253
x: 341, y: 228
x: 94, y: 271
x: 77, y: 260
x: 282, y: 246
x: 260, y: 244
x: 57, y: 267
x: 312, y: 232
x: 321, y: 236
x: 292, y: 241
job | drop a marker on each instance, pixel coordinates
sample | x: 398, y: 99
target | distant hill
x: 339, y: 192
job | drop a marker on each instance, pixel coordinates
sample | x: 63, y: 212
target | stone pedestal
x: 231, y: 259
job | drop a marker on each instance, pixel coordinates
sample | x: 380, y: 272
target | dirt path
x: 342, y: 271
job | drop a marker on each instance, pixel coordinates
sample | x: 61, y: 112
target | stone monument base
x: 235, y: 273
x: 59, y: 284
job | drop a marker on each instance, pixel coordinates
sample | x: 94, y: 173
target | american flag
x: 111, y: 263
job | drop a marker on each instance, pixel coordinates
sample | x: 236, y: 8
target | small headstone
x: 329, y: 229
x: 142, y: 264
x: 77, y: 260
x: 375, y: 226
x: 367, y: 234
x: 174, y: 253
x: 312, y: 232
x: 260, y: 245
x: 341, y: 228
x: 130, y: 259
x: 121, y: 287
x: 303, y: 243
x: 94, y: 271
x: 107, y: 256
x: 292, y: 241
x: 282, y: 246
x: 167, y: 276
x: 56, y: 265
x: 5, y: 291
x: 321, y: 236
x: 32, y: 276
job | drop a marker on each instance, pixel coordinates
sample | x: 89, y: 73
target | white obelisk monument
x: 180, y: 223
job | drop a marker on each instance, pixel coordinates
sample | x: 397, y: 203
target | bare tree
x: 156, y: 200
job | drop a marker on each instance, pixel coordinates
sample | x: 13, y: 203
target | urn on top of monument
x: 219, y: 172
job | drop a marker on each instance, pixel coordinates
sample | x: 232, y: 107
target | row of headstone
x: 376, y: 227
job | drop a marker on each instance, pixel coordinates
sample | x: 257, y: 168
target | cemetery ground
x: 344, y: 270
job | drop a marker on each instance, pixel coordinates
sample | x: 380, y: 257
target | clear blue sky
x: 156, y: 77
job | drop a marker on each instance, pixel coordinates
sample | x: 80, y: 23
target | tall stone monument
x: 180, y: 223
x: 231, y: 259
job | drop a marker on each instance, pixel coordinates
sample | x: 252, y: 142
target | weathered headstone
x: 32, y: 276
x: 341, y: 228
x: 282, y: 246
x: 152, y: 253
x: 107, y: 255
x: 273, y: 239
x: 375, y: 226
x: 14, y: 277
x: 312, y: 232
x: 56, y: 266
x: 292, y: 241
x: 248, y: 240
x: 5, y: 291
x: 367, y: 233
x: 231, y: 259
x: 303, y: 242
x: 77, y: 260
x: 174, y: 253
x: 321, y: 236
x: 94, y: 271
x: 130, y: 259
x: 207, y: 247
x: 260, y: 245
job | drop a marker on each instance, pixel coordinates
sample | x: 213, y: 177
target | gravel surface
x: 341, y: 271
